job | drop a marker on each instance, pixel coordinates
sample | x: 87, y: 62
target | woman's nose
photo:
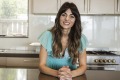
x: 67, y: 18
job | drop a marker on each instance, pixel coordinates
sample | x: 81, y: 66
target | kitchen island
x: 34, y: 74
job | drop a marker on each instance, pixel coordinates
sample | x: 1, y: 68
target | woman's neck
x: 65, y: 32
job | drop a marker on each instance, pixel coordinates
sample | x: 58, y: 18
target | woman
x: 63, y: 45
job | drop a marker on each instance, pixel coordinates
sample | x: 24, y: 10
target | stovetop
x: 101, y: 52
x: 103, y: 57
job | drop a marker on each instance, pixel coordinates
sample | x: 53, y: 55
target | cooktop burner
x: 101, y: 52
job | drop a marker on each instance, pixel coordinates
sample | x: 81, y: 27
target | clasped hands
x: 64, y: 73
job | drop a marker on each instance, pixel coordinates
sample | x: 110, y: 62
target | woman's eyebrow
x: 70, y: 14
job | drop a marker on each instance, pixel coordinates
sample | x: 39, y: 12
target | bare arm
x: 42, y: 63
x: 82, y: 65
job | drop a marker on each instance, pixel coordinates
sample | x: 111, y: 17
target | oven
x: 103, y: 60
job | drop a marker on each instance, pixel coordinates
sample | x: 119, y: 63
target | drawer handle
x: 29, y: 60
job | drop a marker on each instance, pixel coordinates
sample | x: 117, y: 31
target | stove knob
x: 104, y: 60
x: 96, y: 60
x: 109, y: 60
x: 113, y: 61
x: 101, y: 60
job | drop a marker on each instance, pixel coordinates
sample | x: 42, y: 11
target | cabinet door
x: 3, y: 61
x: 100, y: 6
x: 45, y: 6
x: 22, y: 62
x: 81, y: 4
x: 117, y: 6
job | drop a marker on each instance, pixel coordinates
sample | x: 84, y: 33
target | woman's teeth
x: 66, y: 23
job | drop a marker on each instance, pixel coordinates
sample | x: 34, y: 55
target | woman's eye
x: 72, y: 16
x: 63, y: 14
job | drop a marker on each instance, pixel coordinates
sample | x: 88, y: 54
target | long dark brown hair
x: 74, y: 35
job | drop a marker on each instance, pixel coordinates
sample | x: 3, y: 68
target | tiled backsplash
x: 101, y: 31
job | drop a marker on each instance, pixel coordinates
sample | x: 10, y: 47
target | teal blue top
x: 55, y: 63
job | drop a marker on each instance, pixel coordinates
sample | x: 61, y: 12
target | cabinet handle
x: 89, y: 5
x: 118, y: 5
x: 84, y: 5
x: 57, y: 5
x: 29, y: 60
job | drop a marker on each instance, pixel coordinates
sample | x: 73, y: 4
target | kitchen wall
x: 102, y: 31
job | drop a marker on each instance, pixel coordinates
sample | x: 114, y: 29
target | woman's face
x: 67, y: 19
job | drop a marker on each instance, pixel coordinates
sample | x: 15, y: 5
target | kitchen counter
x: 34, y: 74
x: 18, y: 53
x: 19, y: 59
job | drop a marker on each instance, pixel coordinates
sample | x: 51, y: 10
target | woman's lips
x: 66, y: 23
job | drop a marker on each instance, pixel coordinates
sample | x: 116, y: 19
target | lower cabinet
x: 3, y: 61
x: 22, y: 62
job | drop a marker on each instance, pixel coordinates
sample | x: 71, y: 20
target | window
x: 13, y: 18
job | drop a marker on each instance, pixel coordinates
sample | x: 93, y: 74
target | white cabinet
x: 117, y: 6
x: 52, y: 6
x: 22, y: 62
x: 81, y: 4
x: 101, y: 6
x: 3, y: 61
x: 94, y: 6
x: 84, y: 6
x: 45, y: 6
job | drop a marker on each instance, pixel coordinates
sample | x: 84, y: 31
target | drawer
x: 3, y: 61
x: 22, y: 62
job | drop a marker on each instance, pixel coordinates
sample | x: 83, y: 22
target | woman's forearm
x: 79, y: 71
x: 49, y: 71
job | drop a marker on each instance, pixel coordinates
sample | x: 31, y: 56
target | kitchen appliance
x: 103, y: 60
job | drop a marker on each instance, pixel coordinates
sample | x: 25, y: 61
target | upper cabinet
x: 81, y: 4
x: 45, y: 6
x: 84, y: 6
x: 101, y: 6
x: 117, y: 6
x: 52, y: 6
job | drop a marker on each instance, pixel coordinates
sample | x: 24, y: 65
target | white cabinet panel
x: 100, y: 6
x: 45, y: 6
x: 81, y: 4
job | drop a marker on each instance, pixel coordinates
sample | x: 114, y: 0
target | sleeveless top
x: 45, y: 40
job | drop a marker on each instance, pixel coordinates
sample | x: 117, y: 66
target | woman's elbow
x: 83, y: 67
x: 41, y: 67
